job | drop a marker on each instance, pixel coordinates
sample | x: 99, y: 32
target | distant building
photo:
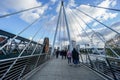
x: 115, y: 42
x: 73, y: 44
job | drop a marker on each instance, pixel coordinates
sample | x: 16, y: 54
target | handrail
x: 100, y: 65
x: 19, y: 69
x: 20, y: 57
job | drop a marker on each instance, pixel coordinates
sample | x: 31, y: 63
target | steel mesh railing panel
x: 23, y: 66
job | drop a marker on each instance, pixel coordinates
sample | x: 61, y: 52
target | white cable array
x: 20, y: 55
x: 19, y: 33
x: 98, y: 21
x: 99, y: 37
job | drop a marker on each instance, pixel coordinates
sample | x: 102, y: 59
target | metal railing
x: 24, y: 65
x: 105, y: 65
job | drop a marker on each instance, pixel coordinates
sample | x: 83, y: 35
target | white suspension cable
x: 19, y: 33
x: 19, y: 55
x: 98, y: 21
x: 100, y: 37
x: 84, y: 31
x: 19, y: 12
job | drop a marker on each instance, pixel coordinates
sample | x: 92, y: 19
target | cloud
x: 4, y: 13
x: 51, y: 20
x: 53, y: 1
x: 114, y: 2
x: 106, y: 16
x: 30, y: 38
x: 17, y: 5
x: 40, y: 41
x: 33, y: 14
x: 75, y: 23
x: 71, y: 3
x: 29, y: 18
x: 95, y: 24
x: 117, y: 24
x: 58, y: 6
x: 105, y: 32
x: 100, y: 14
x: 110, y: 34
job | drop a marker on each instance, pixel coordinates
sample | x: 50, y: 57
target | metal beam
x: 56, y: 30
x: 68, y: 31
x: 11, y: 35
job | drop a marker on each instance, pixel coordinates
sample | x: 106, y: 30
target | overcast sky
x: 48, y: 14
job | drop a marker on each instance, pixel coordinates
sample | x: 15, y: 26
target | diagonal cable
x: 98, y: 21
x: 19, y: 55
x: 105, y: 8
x: 19, y: 12
x: 19, y: 33
x: 99, y: 37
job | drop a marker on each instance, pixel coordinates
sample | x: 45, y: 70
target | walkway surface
x: 58, y: 69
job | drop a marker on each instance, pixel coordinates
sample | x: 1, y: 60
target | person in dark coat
x: 62, y: 53
x: 65, y: 53
x: 75, y: 56
x: 57, y: 53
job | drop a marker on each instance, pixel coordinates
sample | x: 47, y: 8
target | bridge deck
x: 58, y: 69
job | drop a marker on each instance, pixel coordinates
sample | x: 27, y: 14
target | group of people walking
x: 62, y: 53
x: 71, y: 56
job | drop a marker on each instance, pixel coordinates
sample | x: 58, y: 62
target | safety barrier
x: 24, y: 65
x: 107, y: 66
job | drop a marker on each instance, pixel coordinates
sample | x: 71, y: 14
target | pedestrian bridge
x: 59, y: 69
x: 34, y: 58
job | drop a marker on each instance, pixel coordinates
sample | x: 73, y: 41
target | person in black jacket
x: 57, y: 53
x: 75, y: 56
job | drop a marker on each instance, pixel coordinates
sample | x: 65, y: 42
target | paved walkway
x: 58, y: 69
